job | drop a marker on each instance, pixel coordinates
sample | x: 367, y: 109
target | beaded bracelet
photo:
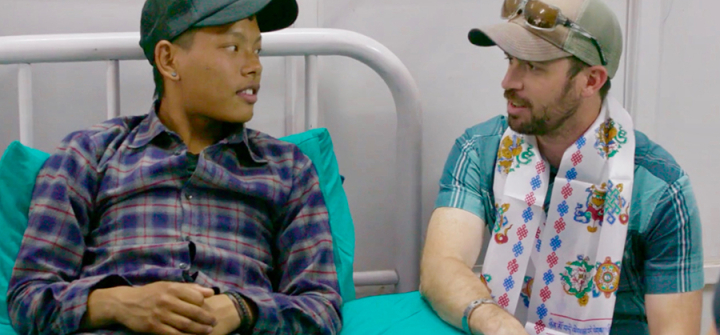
x: 243, y: 311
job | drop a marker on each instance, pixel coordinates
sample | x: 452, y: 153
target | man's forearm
x: 63, y: 305
x: 450, y: 286
x: 674, y: 313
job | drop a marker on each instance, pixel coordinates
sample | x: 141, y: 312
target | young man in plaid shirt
x: 182, y: 221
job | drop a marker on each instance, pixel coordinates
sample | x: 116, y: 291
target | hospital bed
x: 402, y: 311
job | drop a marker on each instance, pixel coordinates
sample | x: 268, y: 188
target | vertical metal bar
x: 113, y: 89
x: 311, y: 92
x: 290, y: 94
x: 25, y: 103
x: 631, y: 57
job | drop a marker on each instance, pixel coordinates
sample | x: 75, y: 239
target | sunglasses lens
x: 541, y: 15
x: 509, y: 8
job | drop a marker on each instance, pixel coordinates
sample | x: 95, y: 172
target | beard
x: 548, y: 119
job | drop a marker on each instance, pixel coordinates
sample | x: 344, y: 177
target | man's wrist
x: 245, y: 310
x: 226, y: 314
x: 101, y: 307
x: 486, y: 319
x: 468, y: 312
x: 252, y: 312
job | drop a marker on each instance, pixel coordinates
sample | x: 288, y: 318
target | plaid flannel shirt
x: 124, y: 203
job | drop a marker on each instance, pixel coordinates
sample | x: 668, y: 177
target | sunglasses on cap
x: 542, y: 16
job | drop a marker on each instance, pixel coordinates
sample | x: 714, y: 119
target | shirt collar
x: 242, y: 139
x: 148, y: 129
x: 151, y: 127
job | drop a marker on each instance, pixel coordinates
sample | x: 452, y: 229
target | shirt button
x: 183, y: 266
x: 188, y: 196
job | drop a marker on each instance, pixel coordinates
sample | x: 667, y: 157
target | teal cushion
x: 393, y: 314
x: 317, y: 145
x: 7, y: 329
x: 19, y: 166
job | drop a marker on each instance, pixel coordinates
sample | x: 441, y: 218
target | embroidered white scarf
x: 558, y: 274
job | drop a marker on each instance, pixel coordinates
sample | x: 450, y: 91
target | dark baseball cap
x: 168, y: 19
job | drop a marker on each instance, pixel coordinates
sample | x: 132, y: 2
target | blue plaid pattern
x: 124, y: 204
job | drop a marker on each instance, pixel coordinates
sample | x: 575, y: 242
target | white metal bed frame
x: 114, y: 47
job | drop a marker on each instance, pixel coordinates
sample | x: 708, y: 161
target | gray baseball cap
x: 519, y: 40
x: 167, y: 19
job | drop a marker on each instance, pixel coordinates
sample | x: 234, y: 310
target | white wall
x: 688, y: 116
x: 679, y: 106
x: 673, y: 97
